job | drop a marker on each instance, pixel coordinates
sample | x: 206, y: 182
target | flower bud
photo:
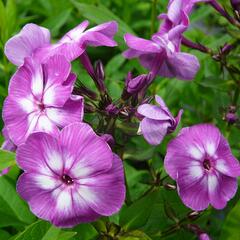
x: 99, y: 70
x: 112, y: 110
x: 84, y: 91
x: 135, y: 85
x: 231, y: 118
x: 84, y: 59
x: 235, y: 5
x: 109, y: 139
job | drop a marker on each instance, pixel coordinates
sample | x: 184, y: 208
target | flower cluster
x: 71, y: 174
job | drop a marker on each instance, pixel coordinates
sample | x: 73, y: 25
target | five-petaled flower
x: 201, y: 162
x: 157, y: 121
x: 34, y: 41
x: 72, y: 178
x: 40, y: 99
x: 162, y: 56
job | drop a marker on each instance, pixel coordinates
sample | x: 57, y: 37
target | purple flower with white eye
x: 71, y: 179
x: 40, y: 99
x: 34, y: 41
x: 157, y: 122
x: 162, y: 56
x: 201, y: 162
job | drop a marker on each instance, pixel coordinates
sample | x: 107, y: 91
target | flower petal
x: 154, y: 130
x: 221, y: 189
x: 153, y: 112
x: 182, y: 65
x: 41, y: 154
x: 26, y: 42
x: 88, y: 152
x: 193, y: 191
x: 99, y: 193
x: 140, y: 44
x: 72, y: 111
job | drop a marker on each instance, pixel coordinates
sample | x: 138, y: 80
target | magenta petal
x: 89, y: 152
x: 153, y: 112
x: 16, y: 121
x: 40, y: 153
x: 56, y: 70
x: 72, y: 111
x: 99, y: 193
x: 108, y: 28
x: 194, y: 193
x: 154, y: 130
x: 97, y: 39
x: 184, y: 65
x: 140, y: 44
x: 221, y: 189
x: 174, y: 11
x: 8, y: 144
x: 63, y: 207
x: 227, y: 164
x: 22, y: 45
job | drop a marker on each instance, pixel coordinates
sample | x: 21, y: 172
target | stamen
x: 207, y: 164
x: 67, y: 180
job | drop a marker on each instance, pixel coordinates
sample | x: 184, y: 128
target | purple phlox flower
x: 178, y: 13
x: 40, y: 99
x: 71, y: 179
x: 157, y: 122
x: 161, y: 55
x: 34, y: 41
x: 204, y: 236
x: 201, y: 162
x: 7, y: 145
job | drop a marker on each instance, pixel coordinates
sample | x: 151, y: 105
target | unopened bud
x: 109, y: 139
x: 169, y: 186
x: 193, y: 215
x: 89, y: 108
x: 235, y: 5
x: 231, y: 117
x: 99, y: 70
x: 112, y: 110
x: 82, y: 90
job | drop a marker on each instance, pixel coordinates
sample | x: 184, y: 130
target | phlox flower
x: 35, y: 41
x: 40, y: 99
x: 201, y: 162
x: 72, y: 178
x: 178, y: 13
x: 157, y: 121
x: 161, y: 55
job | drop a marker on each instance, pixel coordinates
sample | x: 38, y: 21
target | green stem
x: 153, y: 16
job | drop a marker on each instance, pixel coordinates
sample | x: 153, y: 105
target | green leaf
x: 12, y: 205
x: 41, y: 230
x: 99, y: 14
x: 137, y: 214
x: 55, y: 22
x: 114, y: 64
x: 7, y: 159
x: 134, y: 235
x: 230, y: 228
